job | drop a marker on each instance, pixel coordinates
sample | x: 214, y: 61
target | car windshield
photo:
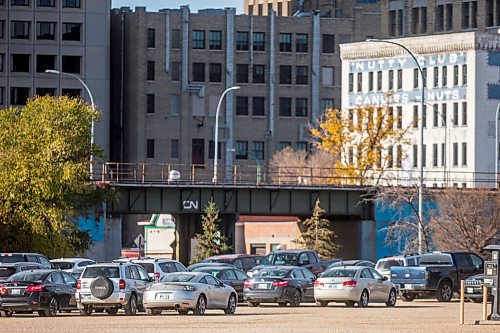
x: 288, y: 259
x: 150, y: 268
x: 27, y: 276
x: 63, y: 265
x: 213, y: 272
x: 340, y: 273
x: 10, y: 259
x: 436, y: 259
x: 6, y: 271
x: 110, y: 272
x: 223, y: 261
x: 387, y: 264
x: 273, y: 272
x: 177, y: 278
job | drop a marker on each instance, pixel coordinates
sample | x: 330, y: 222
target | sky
x: 194, y: 5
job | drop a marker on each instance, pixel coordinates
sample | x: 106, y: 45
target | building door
x: 198, y: 151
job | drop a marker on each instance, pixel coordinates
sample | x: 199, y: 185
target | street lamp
x: 496, y: 145
x: 53, y: 71
x: 216, y: 130
x: 420, y: 142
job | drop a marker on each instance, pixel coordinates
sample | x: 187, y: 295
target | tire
x: 131, y: 307
x: 99, y: 310
x: 444, y: 293
x: 231, y: 305
x: 364, y: 299
x: 101, y: 287
x: 322, y: 303
x: 350, y: 304
x: 296, y: 298
x: 201, y: 306
x: 51, y: 311
x: 112, y: 311
x: 282, y: 304
x: 406, y: 297
x: 391, y: 301
x: 6, y: 313
x: 253, y: 304
x: 183, y: 312
x: 86, y: 311
x: 153, y: 312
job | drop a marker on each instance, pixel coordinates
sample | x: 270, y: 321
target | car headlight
x: 189, y: 288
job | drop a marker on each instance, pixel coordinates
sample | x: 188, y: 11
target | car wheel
x: 201, y: 306
x: 296, y: 298
x: 6, y: 313
x: 99, y: 310
x: 364, y: 299
x: 112, y: 311
x: 350, y: 304
x: 183, y: 312
x: 254, y: 304
x: 51, y: 310
x: 405, y: 297
x: 322, y: 303
x: 86, y: 310
x: 444, y: 292
x: 231, y: 305
x: 131, y: 307
x: 392, y: 298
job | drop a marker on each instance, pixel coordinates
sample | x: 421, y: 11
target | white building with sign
x: 461, y: 95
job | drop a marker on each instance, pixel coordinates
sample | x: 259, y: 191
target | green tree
x: 44, y: 170
x: 318, y: 235
x: 210, y: 242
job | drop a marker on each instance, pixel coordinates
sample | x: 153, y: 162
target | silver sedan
x: 185, y: 291
x: 354, y: 284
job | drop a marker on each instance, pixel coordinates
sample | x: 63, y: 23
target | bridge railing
x: 253, y: 175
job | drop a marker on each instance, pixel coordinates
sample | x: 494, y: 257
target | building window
x: 370, y: 81
x: 301, y: 75
x: 464, y: 75
x: 174, y: 148
x: 284, y: 145
x: 242, y: 41
x: 45, y: 91
x: 443, y: 154
x: 45, y: 3
x: 1, y: 61
x: 415, y: 78
x: 258, y: 150
x: 464, y: 153
x: 391, y: 79
x: 434, y: 155
x: 399, y: 122
x: 175, y: 105
x: 395, y: 23
x: 443, y: 115
x: 2, y: 23
x: 360, y: 82
x: 328, y: 43
x: 490, y: 13
x: 211, y: 150
x: 215, y: 72
x: 258, y: 106
x: 198, y: 72
x: 198, y: 152
x: 285, y: 107
x: 436, y: 77
x: 19, y: 95
x: 280, y: 9
x: 258, y: 74
x: 301, y: 145
x: 351, y: 82
x: 241, y: 106
x: 150, y: 71
x: 259, y: 41
x: 419, y: 20
x: 301, y: 43
x: 176, y: 38
x: 71, y: 3
x: 241, y: 150
x: 444, y: 76
x: 301, y: 107
x: 285, y: 42
x: 72, y: 93
x: 72, y: 31
x: 241, y: 73
x: 285, y: 74
x: 19, y: 2
x: 44, y: 62
x: 379, y: 81
x: 45, y: 30
x: 469, y: 15
x: 435, y: 117
x: 327, y: 103
x: 150, y: 149
x: 415, y: 156
x: 327, y: 76
x: 455, y: 75
x: 424, y: 117
x: 424, y: 153
x: 455, y: 114
x: 449, y: 17
x: 20, y: 63
x: 260, y: 9
x: 215, y: 41
x: 198, y: 39
x: 400, y: 79
x: 399, y: 156
x: 464, y: 113
x: 150, y: 103
x: 390, y: 157
x: 415, y: 116
x: 151, y: 38
x: 455, y: 154
x: 20, y: 30
x: 176, y: 71
x: 71, y: 64
x: 439, y: 18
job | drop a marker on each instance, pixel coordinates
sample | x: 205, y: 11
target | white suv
x: 384, y: 265
x: 111, y: 286
x: 157, y: 268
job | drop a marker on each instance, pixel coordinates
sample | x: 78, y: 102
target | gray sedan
x: 185, y: 291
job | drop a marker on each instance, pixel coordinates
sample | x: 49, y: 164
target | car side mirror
x: 385, y: 278
x: 221, y: 284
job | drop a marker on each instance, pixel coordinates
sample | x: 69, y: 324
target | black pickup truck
x: 438, y: 273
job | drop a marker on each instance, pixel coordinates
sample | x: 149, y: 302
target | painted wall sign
x: 189, y: 204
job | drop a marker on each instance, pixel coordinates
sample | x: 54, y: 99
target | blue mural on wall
x: 94, y: 222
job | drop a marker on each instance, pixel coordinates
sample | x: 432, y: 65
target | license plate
x: 15, y: 292
x: 470, y: 290
x: 162, y: 296
x: 83, y: 296
x: 408, y: 286
x: 262, y: 286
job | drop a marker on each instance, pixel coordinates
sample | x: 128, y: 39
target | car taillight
x: 35, y: 288
x: 189, y: 288
x: 318, y: 284
x: 156, y: 276
x: 122, y: 284
x: 3, y: 290
x: 280, y: 283
x: 350, y: 283
x: 78, y: 284
x: 248, y: 283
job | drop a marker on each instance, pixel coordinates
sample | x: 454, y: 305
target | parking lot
x: 418, y: 316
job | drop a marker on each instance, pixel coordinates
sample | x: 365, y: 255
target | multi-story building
x: 462, y: 92
x: 71, y: 36
x: 265, y: 7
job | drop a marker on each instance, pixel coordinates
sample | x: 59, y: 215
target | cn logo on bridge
x: 188, y: 204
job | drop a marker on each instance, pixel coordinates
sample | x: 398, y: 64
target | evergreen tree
x: 210, y: 242
x: 318, y: 235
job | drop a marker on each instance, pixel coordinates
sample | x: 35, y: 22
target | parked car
x: 189, y: 291
x: 112, y: 286
x: 6, y: 270
x: 157, y: 268
x: 355, y: 262
x: 438, y: 273
x: 244, y: 262
x: 280, y: 284
x: 474, y: 288
x: 306, y: 258
x: 384, y: 265
x: 193, y: 267
x: 71, y: 264
x: 9, y: 258
x: 231, y: 276
x: 354, y: 284
x: 44, y: 291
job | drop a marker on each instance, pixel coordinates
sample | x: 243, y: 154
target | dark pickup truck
x: 438, y: 273
x: 305, y: 258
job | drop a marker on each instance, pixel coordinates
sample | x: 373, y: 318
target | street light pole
x: 420, y: 143
x: 53, y: 71
x: 496, y: 145
x: 216, y: 131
